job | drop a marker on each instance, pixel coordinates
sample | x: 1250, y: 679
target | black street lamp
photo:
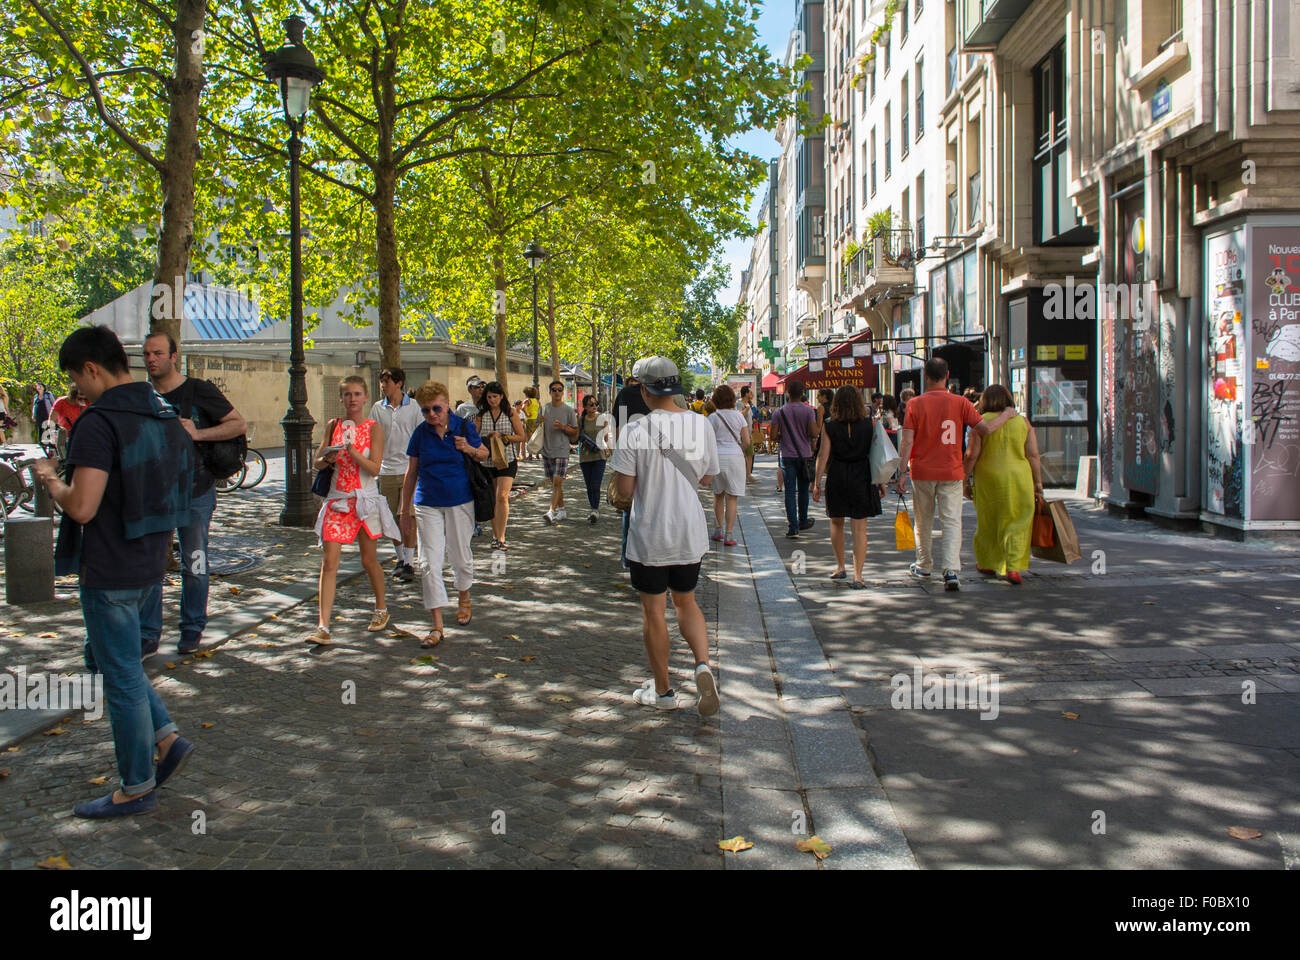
x: 534, y: 255
x: 294, y: 69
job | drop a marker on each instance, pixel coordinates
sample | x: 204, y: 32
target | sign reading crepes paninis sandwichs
x: 832, y: 375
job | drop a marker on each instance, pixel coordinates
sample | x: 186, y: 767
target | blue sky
x: 774, y: 26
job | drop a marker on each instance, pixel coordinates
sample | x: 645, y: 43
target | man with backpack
x: 208, y: 417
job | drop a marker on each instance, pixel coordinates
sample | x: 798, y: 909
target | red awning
x: 860, y: 371
x: 770, y: 380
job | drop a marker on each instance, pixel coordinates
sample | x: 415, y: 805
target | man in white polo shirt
x: 399, y: 415
x: 660, y: 460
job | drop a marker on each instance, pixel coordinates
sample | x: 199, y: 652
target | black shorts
x: 680, y: 578
x: 510, y: 470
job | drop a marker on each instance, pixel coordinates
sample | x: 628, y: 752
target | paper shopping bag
x: 904, y: 539
x: 1065, y: 548
x: 1042, y: 532
x: 536, y: 441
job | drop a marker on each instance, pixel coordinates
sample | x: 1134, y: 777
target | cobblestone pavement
x: 521, y: 722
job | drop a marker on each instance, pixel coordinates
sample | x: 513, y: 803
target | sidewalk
x: 1121, y: 689
x: 521, y: 721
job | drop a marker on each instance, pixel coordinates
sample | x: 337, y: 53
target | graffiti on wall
x: 1225, y: 302
x: 1274, y: 432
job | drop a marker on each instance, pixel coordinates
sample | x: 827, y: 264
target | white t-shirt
x: 667, y: 526
x: 727, y: 445
x: 399, y: 423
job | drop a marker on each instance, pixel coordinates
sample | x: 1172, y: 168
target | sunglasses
x: 436, y: 408
x: 557, y: 389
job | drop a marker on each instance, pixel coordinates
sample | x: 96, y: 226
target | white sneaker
x: 593, y: 517
x: 549, y: 516
x: 708, y: 690
x: 647, y: 697
x: 561, y: 514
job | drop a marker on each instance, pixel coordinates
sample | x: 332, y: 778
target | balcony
x: 884, y: 261
x: 985, y: 22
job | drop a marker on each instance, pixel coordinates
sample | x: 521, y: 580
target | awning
x: 770, y: 380
x: 839, y: 368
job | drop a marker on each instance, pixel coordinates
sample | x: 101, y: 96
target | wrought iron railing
x: 894, y: 247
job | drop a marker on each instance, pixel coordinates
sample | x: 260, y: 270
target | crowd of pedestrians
x: 409, y: 469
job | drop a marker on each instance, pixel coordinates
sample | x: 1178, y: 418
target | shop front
x: 956, y: 331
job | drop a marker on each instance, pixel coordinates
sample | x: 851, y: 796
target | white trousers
x: 445, y: 534
x: 928, y: 498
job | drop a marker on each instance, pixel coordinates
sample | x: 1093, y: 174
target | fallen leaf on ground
x: 1244, y: 833
x: 206, y: 654
x: 529, y: 659
x: 48, y: 636
x: 4, y: 772
x: 12, y: 749
x: 559, y: 698
x: 169, y: 665
x: 500, y: 676
x: 1069, y: 716
x: 1149, y: 603
x: 512, y: 636
x: 55, y: 732
x: 279, y: 544
x: 426, y: 660
x: 55, y: 863
x: 185, y: 663
x: 735, y: 844
x: 275, y: 616
x: 208, y: 726
x: 234, y: 590
x: 98, y: 781
x: 818, y: 847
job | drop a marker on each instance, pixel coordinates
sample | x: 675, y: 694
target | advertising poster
x: 1225, y: 261
x: 1273, y: 436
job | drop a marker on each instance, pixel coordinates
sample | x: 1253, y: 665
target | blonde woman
x: 354, y: 445
x: 437, y: 501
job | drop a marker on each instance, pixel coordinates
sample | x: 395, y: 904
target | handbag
x: 614, y: 498
x: 1065, y: 547
x: 808, y: 465
x: 904, y: 537
x: 883, y: 457
x: 325, y: 476
x: 481, y: 485
x: 222, y: 458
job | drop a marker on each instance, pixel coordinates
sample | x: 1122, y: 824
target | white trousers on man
x: 445, y: 534
x: 944, y: 498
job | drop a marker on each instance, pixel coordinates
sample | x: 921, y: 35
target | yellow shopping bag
x: 904, y: 539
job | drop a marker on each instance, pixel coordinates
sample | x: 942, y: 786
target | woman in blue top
x: 438, y: 503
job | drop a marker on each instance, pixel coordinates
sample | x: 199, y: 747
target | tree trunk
x: 550, y: 329
x: 176, y: 237
x: 390, y: 267
x: 499, y: 307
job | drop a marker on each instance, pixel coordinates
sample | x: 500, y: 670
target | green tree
x: 37, y: 311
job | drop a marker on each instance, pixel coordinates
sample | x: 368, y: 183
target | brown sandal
x: 433, y: 638
x: 463, y: 615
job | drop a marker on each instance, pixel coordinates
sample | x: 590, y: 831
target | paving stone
x: 861, y: 828
x: 1206, y: 686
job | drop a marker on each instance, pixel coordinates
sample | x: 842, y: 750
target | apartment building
x: 1143, y: 244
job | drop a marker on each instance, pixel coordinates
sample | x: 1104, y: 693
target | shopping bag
x: 904, y: 539
x: 884, y: 458
x: 536, y: 440
x: 498, y: 451
x: 1042, y: 532
x: 1065, y: 547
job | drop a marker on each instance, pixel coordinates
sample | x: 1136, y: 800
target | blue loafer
x: 175, y: 759
x: 105, y: 807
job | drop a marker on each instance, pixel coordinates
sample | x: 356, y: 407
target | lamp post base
x: 299, y: 507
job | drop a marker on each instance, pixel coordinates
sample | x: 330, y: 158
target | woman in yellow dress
x: 1008, y: 477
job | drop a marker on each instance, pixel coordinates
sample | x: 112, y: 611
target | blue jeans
x: 194, y: 575
x: 592, y: 475
x: 796, y: 484
x: 135, y: 710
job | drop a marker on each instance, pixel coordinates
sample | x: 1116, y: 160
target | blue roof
x: 217, y: 313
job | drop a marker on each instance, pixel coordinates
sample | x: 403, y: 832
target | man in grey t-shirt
x: 559, y: 430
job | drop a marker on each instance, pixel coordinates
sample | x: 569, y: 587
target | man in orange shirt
x: 931, y: 451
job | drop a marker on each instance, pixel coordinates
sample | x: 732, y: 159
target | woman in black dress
x: 844, y: 462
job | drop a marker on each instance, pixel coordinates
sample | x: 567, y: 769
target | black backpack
x: 222, y: 458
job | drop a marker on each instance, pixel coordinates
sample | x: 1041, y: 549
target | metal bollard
x: 44, y: 502
x: 29, y: 560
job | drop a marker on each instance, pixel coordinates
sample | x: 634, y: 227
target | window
x: 873, y: 78
x: 1054, y: 217
x: 873, y: 161
x: 952, y: 70
x: 904, y: 140
x: 920, y: 211
x: 867, y: 189
x: 902, y: 24
x: 886, y: 54
x: 917, y: 12
x: 889, y: 157
x: 920, y: 98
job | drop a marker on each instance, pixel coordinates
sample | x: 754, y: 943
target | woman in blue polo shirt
x: 438, y: 503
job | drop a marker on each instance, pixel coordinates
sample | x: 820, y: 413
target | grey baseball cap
x: 475, y: 381
x: 659, y: 376
x: 636, y: 368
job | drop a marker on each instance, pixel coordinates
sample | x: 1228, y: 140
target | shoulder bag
x: 807, y: 464
x: 883, y: 457
x: 325, y: 476
x: 222, y: 458
x: 481, y: 485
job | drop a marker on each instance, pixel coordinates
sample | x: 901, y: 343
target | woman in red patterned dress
x: 355, y: 445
